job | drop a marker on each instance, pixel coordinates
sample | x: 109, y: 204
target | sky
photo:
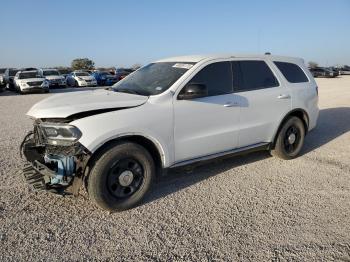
x: 44, y: 33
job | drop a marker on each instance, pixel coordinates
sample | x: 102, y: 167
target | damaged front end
x: 56, y: 161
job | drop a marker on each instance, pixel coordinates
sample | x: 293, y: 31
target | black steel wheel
x: 290, y: 139
x: 125, y: 178
x: 121, y: 176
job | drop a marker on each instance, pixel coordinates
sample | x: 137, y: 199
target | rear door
x: 264, y: 100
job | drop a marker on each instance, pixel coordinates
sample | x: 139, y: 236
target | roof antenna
x: 267, y: 53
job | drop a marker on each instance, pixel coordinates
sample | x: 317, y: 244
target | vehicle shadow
x: 332, y: 123
x: 179, y: 178
x: 8, y: 93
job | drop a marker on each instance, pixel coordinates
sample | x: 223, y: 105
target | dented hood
x: 68, y: 104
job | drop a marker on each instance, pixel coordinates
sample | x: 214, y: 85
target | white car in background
x: 54, y: 77
x: 80, y: 78
x: 30, y: 81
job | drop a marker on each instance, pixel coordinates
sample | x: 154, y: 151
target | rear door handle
x: 231, y: 104
x: 283, y: 96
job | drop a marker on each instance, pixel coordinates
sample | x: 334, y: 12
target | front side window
x: 153, y: 79
x: 292, y: 72
x: 252, y: 75
x: 217, y: 77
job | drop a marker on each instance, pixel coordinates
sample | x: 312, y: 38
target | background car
x: 64, y: 72
x: 30, y: 81
x: 80, y: 78
x: 335, y: 71
x: 2, y: 82
x: 9, y: 76
x: 322, y: 72
x: 345, y: 70
x: 105, y: 78
x: 54, y: 77
x: 120, y: 73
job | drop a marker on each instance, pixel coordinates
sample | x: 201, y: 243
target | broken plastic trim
x: 38, y: 174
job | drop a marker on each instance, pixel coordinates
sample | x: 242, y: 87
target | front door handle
x: 231, y: 104
x: 283, y: 96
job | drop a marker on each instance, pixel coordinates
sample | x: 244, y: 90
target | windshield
x: 26, y: 75
x: 152, y: 79
x: 82, y: 74
x: 51, y: 73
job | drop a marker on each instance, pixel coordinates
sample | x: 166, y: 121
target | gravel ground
x: 248, y: 208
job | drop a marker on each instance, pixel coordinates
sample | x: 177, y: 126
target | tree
x: 313, y: 64
x: 82, y: 63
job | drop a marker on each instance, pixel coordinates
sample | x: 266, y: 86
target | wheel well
x: 301, y: 114
x: 143, y: 141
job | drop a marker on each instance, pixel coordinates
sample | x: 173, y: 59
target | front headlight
x: 22, y: 84
x: 60, y: 134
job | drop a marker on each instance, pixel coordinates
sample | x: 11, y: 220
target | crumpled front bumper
x: 39, y: 174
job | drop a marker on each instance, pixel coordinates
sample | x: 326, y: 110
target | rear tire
x: 121, y: 176
x: 290, y: 139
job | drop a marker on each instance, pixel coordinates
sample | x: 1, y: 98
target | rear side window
x: 292, y: 72
x: 217, y: 77
x: 252, y: 75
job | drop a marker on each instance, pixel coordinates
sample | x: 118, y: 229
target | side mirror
x: 192, y: 91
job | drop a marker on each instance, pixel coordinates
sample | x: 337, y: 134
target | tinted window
x: 292, y: 72
x: 217, y: 77
x: 252, y: 75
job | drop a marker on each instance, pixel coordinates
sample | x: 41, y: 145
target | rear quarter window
x: 292, y: 72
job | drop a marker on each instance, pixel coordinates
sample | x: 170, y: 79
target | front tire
x: 290, y: 139
x: 121, y: 176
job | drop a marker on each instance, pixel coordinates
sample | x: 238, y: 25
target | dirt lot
x: 253, y: 207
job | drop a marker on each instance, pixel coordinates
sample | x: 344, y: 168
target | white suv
x: 169, y: 113
x: 30, y: 81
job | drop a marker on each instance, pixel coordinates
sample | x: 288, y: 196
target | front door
x: 207, y: 125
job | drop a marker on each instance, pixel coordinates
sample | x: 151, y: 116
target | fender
x: 298, y: 112
x: 160, y: 148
